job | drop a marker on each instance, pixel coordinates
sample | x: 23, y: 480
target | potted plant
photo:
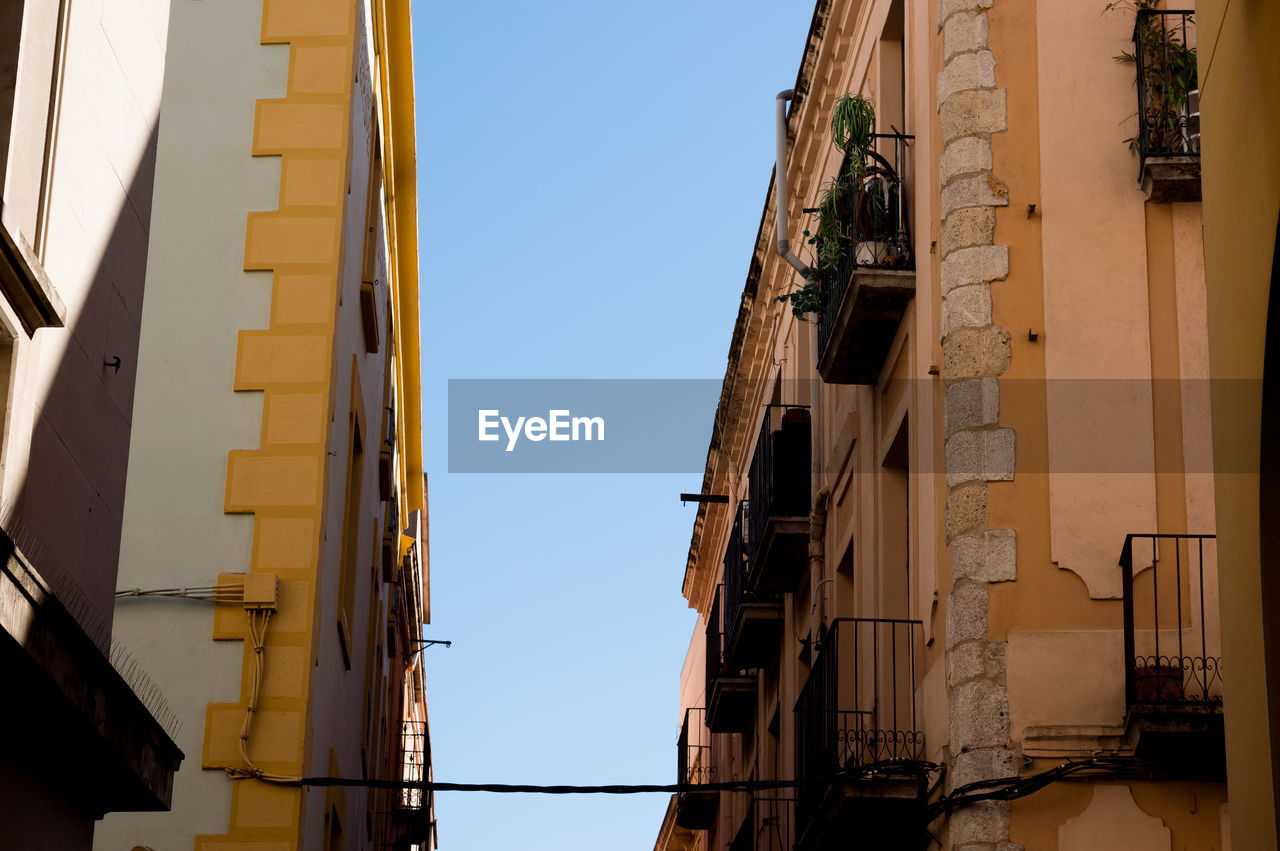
x: 843, y: 200
x: 1166, y: 77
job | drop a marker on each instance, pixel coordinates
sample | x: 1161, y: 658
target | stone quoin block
x: 985, y: 821
x: 979, y: 265
x: 970, y: 404
x: 973, y: 111
x: 980, y: 190
x: 966, y: 615
x: 967, y: 71
x: 966, y: 662
x: 981, y: 456
x: 975, y: 353
x: 966, y: 307
x: 985, y: 764
x: 967, y: 227
x: 963, y: 32
x: 966, y: 155
x: 966, y: 509
x: 979, y: 716
x: 947, y: 8
x: 989, y: 557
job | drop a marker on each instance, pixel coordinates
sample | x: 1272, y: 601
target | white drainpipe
x: 780, y: 180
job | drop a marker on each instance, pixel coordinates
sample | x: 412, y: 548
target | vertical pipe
x: 780, y: 178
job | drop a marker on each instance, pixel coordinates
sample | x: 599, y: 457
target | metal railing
x: 773, y: 815
x: 413, y: 765
x: 735, y: 568
x: 715, y: 642
x: 780, y: 476
x: 858, y: 706
x: 405, y: 815
x: 1168, y: 88
x: 695, y: 756
x: 1172, y: 650
x: 873, y: 228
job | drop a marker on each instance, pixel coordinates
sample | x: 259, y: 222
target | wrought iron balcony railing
x: 873, y: 230
x: 752, y: 618
x: 696, y: 766
x: 1168, y: 88
x: 731, y: 692
x: 858, y: 707
x: 735, y: 568
x: 780, y: 497
x: 1172, y: 649
x: 415, y: 759
x: 773, y: 815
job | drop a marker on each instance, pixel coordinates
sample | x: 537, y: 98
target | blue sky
x: 591, y: 180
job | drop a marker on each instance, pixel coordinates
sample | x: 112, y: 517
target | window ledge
x: 24, y: 282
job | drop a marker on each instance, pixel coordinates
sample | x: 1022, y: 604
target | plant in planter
x: 1166, y: 77
x: 852, y: 127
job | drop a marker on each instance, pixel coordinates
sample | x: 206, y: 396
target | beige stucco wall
x: 187, y: 416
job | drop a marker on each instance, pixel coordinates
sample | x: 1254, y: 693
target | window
x: 351, y: 518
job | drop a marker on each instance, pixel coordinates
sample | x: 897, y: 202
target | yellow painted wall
x: 1240, y: 109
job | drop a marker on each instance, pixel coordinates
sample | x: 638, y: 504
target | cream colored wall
x: 337, y: 701
x: 67, y: 437
x: 186, y: 414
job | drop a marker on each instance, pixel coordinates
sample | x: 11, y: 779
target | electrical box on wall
x: 261, y: 591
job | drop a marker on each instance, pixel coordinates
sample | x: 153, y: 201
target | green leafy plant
x: 853, y: 122
x: 1167, y: 74
x: 807, y: 299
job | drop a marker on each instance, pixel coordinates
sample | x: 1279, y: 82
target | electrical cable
x: 224, y: 593
x: 900, y: 766
x: 1011, y: 788
x: 258, y: 620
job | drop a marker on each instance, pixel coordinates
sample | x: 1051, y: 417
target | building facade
x: 1238, y: 69
x: 273, y: 566
x: 956, y: 564
x: 80, y: 88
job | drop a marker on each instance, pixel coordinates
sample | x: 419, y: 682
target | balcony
x: 731, y: 693
x: 1168, y: 140
x: 859, y: 740
x: 752, y: 620
x: 778, y: 533
x: 1172, y: 650
x: 867, y: 285
x: 696, y: 766
x: 410, y: 817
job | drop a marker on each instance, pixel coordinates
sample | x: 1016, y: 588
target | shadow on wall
x: 64, y: 510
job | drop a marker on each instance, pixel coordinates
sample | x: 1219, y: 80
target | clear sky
x: 592, y: 176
